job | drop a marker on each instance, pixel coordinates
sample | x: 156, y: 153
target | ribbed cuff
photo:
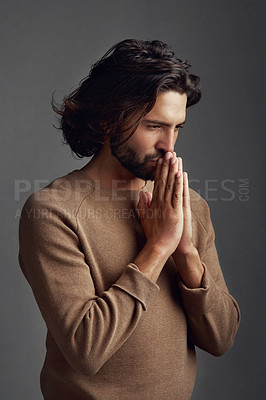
x: 199, y: 300
x: 135, y: 283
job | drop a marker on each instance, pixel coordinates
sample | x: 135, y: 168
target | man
x: 125, y: 272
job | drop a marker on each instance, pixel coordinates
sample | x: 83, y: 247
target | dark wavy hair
x: 120, y: 89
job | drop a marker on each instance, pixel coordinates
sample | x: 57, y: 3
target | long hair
x: 120, y: 89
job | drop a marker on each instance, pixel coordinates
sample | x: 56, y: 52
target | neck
x: 104, y: 167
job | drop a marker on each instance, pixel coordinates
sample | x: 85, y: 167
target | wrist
x: 156, y: 250
x: 189, y: 252
x: 189, y: 267
x: 150, y: 261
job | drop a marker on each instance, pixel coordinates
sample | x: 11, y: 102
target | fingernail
x: 160, y: 161
x: 173, y: 160
x: 167, y: 156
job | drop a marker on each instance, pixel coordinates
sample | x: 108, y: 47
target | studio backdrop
x: 47, y: 47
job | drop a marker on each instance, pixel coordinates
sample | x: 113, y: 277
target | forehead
x: 170, y: 107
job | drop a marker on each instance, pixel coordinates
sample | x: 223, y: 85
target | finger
x: 176, y: 192
x: 160, y: 182
x: 173, y: 169
x: 186, y: 198
x: 157, y: 176
x: 158, y: 169
x: 180, y: 164
x: 177, y: 197
x: 142, y: 205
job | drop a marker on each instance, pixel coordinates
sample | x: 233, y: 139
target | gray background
x: 49, y: 46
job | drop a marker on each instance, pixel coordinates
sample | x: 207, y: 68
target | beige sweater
x: 112, y: 332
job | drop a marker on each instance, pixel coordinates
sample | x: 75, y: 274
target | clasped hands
x: 166, y: 218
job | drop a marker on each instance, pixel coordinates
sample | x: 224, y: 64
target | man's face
x: 155, y: 135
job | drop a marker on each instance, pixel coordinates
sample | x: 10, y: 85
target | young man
x: 120, y: 254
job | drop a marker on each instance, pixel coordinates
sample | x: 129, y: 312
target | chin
x: 146, y: 176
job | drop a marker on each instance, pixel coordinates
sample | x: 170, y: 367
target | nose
x: 166, y: 141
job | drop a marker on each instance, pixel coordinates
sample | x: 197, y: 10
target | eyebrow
x: 161, y: 123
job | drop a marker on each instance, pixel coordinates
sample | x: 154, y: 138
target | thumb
x: 149, y: 198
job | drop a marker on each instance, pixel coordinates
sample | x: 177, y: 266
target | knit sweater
x: 112, y: 333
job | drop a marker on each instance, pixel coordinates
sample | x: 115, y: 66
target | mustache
x: 150, y: 157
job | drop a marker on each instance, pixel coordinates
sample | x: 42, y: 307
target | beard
x: 130, y: 160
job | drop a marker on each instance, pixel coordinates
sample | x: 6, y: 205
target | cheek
x: 143, y: 142
x: 142, y: 145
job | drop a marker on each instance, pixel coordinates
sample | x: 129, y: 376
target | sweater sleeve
x: 87, y: 328
x: 213, y: 314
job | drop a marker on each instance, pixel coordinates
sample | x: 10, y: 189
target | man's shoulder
x: 62, y: 193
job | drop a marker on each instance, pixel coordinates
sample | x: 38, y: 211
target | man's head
x: 155, y: 135
x: 121, y: 89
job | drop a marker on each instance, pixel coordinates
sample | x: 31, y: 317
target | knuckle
x: 177, y: 196
x: 161, y: 182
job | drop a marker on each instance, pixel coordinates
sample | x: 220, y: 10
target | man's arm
x: 212, y: 313
x: 87, y: 326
